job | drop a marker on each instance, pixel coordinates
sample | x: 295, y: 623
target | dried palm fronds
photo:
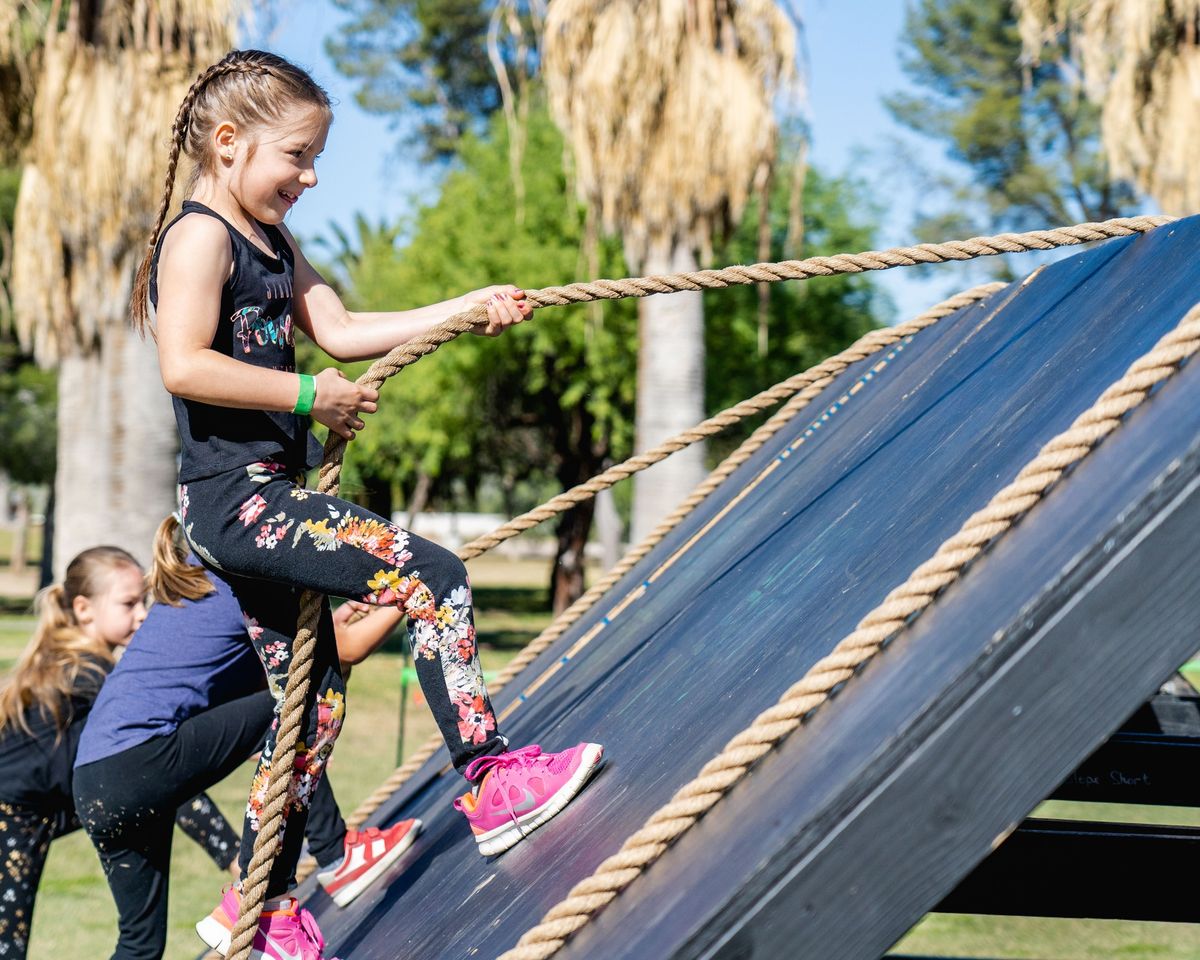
x: 1140, y: 60
x: 669, y: 109
x: 22, y: 23
x: 111, y: 78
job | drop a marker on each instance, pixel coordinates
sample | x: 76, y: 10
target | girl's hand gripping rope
x: 339, y: 402
x: 506, y: 306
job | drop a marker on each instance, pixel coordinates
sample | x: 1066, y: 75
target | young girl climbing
x: 44, y: 702
x: 186, y: 705
x: 230, y: 287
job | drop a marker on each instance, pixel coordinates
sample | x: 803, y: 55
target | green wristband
x: 308, y: 395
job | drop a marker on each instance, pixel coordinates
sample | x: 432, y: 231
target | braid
x: 233, y: 62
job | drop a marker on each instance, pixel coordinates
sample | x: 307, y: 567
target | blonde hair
x: 172, y: 579
x: 252, y: 88
x: 62, y: 660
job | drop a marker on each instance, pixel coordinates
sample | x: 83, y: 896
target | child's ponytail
x: 53, y: 610
x: 172, y: 579
x: 179, y: 132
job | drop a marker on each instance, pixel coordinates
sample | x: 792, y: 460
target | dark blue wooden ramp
x: 871, y: 813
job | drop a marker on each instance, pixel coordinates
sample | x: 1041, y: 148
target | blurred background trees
x: 1024, y: 139
x: 1050, y: 111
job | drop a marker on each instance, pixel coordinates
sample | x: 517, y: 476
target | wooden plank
x: 1102, y: 871
x: 801, y: 813
x: 1138, y: 768
x: 948, y: 788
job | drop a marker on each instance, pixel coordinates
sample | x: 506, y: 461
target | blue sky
x: 852, y: 63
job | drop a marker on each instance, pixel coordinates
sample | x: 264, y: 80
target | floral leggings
x: 258, y: 523
x: 26, y: 842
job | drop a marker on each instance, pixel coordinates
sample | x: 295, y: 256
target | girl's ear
x: 82, y: 608
x: 225, y: 140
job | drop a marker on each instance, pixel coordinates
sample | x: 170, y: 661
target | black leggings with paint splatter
x: 126, y: 803
x: 27, y: 835
x: 123, y: 802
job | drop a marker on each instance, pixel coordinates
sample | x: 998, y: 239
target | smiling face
x: 117, y: 609
x: 272, y: 166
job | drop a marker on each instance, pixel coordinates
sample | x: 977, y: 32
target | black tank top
x: 255, y: 326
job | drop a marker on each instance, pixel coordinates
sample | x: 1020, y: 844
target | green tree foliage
x: 27, y: 394
x: 422, y: 58
x: 27, y: 421
x: 806, y: 321
x: 548, y: 404
x: 10, y: 184
x: 526, y: 414
x: 474, y: 409
x: 1027, y: 136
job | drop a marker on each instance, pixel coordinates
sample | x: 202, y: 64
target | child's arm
x: 358, y: 640
x: 319, y: 312
x: 196, y: 261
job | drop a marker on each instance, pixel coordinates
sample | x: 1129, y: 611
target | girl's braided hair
x: 249, y: 87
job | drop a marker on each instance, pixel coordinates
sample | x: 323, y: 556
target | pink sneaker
x: 368, y: 854
x: 523, y: 789
x: 284, y: 934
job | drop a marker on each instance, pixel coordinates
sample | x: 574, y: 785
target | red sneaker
x: 368, y: 854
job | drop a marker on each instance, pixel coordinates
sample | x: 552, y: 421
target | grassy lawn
x: 33, y: 545
x: 509, y: 597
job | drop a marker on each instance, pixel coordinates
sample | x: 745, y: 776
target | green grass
x: 75, y: 917
x: 15, y: 632
x: 33, y: 546
x: 1045, y: 938
x: 1030, y: 938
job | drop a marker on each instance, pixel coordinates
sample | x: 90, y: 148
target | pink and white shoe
x: 368, y: 854
x: 287, y: 933
x: 523, y: 789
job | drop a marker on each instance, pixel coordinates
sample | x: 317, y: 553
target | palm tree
x: 668, y: 106
x: 109, y: 80
x: 1140, y: 60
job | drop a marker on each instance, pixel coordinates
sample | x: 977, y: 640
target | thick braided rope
x: 817, y: 378
x: 898, y: 609
x: 845, y: 263
x: 266, y: 842
x: 582, y: 492
x: 270, y: 826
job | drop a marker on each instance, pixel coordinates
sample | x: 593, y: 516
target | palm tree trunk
x: 81, y: 477
x: 670, y: 394
x: 145, y: 442
x: 20, y: 542
x: 116, y: 449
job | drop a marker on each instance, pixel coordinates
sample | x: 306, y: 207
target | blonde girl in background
x: 82, y: 625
